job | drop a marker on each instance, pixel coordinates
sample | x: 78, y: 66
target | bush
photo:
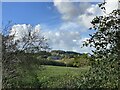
x: 69, y: 62
x: 20, y: 66
x: 79, y: 61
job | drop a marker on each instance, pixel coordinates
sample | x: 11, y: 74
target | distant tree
x: 106, y: 41
x: 81, y: 61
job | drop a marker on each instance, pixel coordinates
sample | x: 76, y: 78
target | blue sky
x: 31, y: 13
x: 65, y: 24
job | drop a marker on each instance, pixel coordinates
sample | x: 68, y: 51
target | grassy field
x: 50, y: 77
x: 60, y: 77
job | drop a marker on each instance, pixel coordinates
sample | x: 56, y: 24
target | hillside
x: 58, y: 54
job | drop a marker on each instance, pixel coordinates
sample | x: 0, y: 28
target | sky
x: 31, y: 13
x: 64, y: 24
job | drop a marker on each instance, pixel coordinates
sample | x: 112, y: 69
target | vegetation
x: 77, y: 61
x: 13, y: 51
x: 104, y: 72
x: 32, y: 65
x: 48, y: 77
x: 61, y: 77
x: 21, y: 66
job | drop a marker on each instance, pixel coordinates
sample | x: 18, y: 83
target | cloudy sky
x: 64, y: 24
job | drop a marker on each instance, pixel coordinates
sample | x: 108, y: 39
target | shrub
x: 80, y: 62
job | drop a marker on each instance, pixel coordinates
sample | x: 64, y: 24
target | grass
x: 60, y: 77
x: 49, y: 76
x: 61, y: 70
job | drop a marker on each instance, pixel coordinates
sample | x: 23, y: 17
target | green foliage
x: 68, y: 62
x: 24, y: 67
x: 105, y: 61
x: 24, y: 70
x: 82, y: 61
x: 78, y: 61
x: 9, y: 64
x: 32, y: 76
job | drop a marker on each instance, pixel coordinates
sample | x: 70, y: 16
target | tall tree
x: 13, y: 52
x: 106, y: 41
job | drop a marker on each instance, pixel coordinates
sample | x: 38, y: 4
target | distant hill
x: 64, y: 52
x: 58, y: 54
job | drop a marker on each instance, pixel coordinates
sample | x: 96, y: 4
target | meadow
x: 61, y: 77
x: 48, y: 76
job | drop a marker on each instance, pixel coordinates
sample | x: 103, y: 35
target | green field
x: 53, y: 77
x: 60, y: 77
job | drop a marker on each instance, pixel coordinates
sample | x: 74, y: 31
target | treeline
x: 55, y: 58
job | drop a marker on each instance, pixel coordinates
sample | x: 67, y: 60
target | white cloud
x: 71, y: 10
x: 67, y: 13
x: 93, y: 10
x: 111, y: 5
x: 63, y: 40
x: 37, y: 28
x: 21, y: 30
x: 82, y: 12
x: 66, y: 37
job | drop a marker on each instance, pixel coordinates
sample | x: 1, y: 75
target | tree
x: 28, y: 39
x: 106, y: 41
x: 14, y: 51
